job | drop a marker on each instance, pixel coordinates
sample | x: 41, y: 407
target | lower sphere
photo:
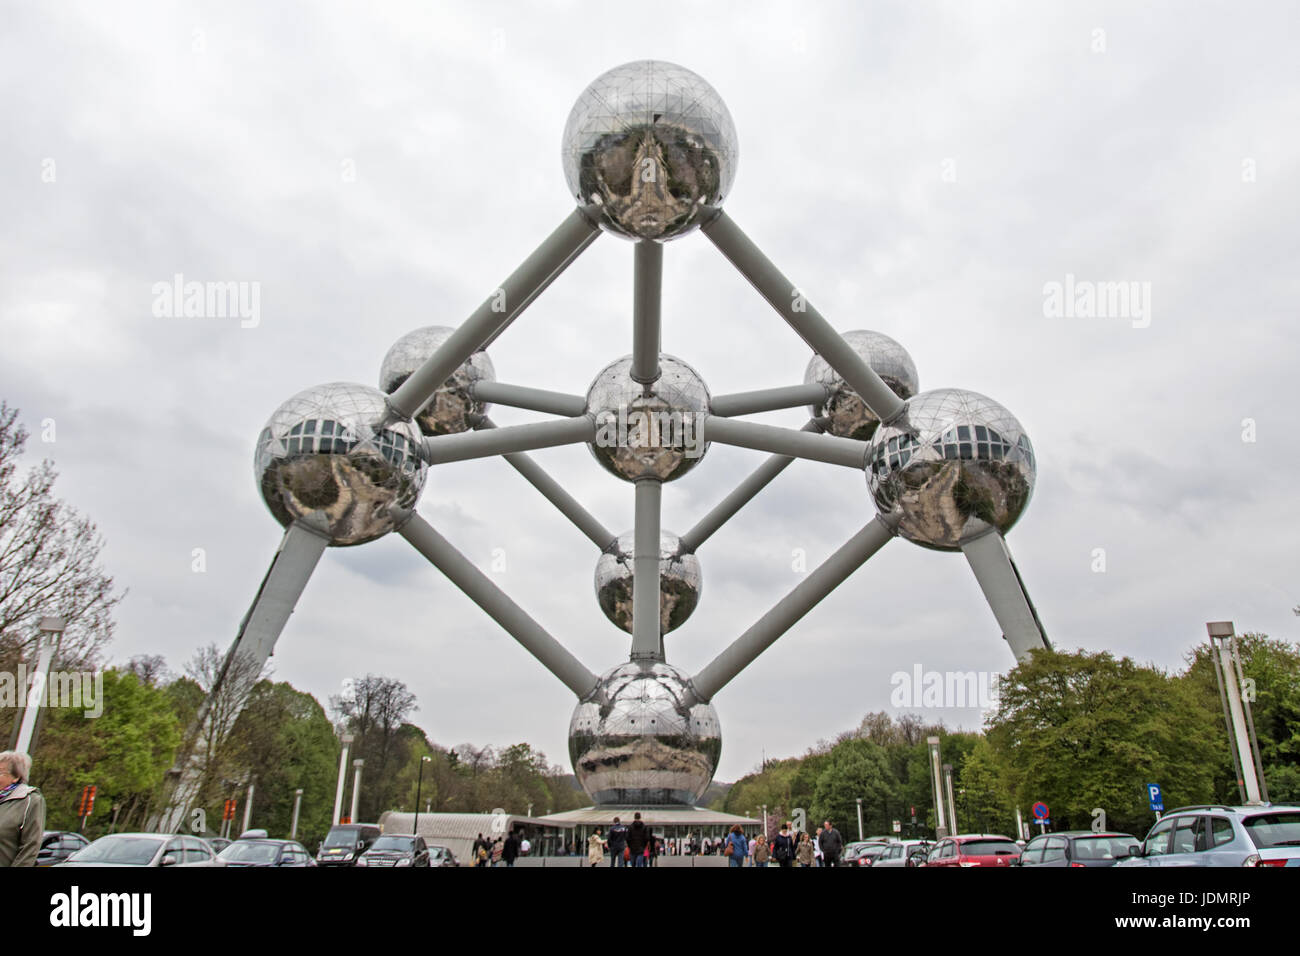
x: 680, y: 580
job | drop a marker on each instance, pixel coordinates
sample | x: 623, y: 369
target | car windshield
x: 874, y: 851
x: 988, y: 848
x: 1274, y: 829
x: 1103, y: 847
x: 246, y: 851
x: 404, y: 844
x: 129, y: 850
x: 341, y: 838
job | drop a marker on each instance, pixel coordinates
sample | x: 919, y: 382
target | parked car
x: 396, y: 849
x: 901, y: 854
x: 855, y: 849
x: 218, y: 843
x: 974, y: 849
x: 867, y: 855
x: 144, y: 849
x: 1077, y: 848
x: 1213, y: 835
x: 442, y: 856
x: 259, y: 851
x: 346, y: 842
x: 58, y: 845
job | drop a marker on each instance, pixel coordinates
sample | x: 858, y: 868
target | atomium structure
x: 649, y: 154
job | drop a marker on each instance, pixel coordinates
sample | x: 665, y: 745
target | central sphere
x: 651, y: 149
x: 848, y: 416
x: 452, y: 406
x: 320, y: 460
x: 953, y: 462
x: 635, y: 743
x: 680, y: 580
x: 648, y: 431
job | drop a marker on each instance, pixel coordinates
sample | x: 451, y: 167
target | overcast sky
x: 922, y: 170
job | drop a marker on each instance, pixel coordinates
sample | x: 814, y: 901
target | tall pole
x: 343, y: 767
x: 415, y: 828
x: 936, y: 789
x: 297, y: 805
x: 1221, y: 639
x: 952, y: 804
x: 859, y: 819
x: 51, y: 630
x: 356, y: 787
x: 248, y: 805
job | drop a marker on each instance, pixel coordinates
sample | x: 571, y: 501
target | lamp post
x: 859, y: 819
x: 343, y: 766
x: 51, y: 632
x: 1236, y: 712
x: 297, y: 805
x: 356, y: 787
x: 418, y: 784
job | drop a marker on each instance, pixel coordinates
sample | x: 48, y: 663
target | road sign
x: 1040, y: 812
x: 898, y: 826
x: 1156, y: 797
x: 86, y: 806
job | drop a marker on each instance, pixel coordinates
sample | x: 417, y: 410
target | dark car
x: 442, y: 856
x: 867, y: 855
x: 396, y: 849
x: 58, y: 845
x: 974, y: 849
x: 345, y: 843
x: 265, y: 852
x: 1077, y: 848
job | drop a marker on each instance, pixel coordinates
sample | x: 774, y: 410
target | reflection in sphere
x: 650, y: 148
x: 849, y: 417
x: 633, y: 742
x: 319, y: 459
x: 452, y: 405
x: 679, y: 582
x: 648, y: 431
x: 952, y: 457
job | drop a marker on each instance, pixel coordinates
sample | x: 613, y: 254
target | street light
x: 418, y: 783
x: 343, y: 767
x: 356, y: 787
x: 297, y: 805
x: 859, y: 819
x: 51, y: 632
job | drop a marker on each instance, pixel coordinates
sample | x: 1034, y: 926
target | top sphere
x: 319, y: 459
x: 848, y: 416
x: 449, y: 411
x: 651, y: 149
x: 953, y: 462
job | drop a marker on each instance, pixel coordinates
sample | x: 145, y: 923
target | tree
x: 374, y: 709
x: 855, y: 769
x: 226, y: 681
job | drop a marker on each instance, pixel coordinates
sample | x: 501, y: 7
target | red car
x: 974, y: 849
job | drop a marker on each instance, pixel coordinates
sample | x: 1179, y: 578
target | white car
x: 897, y: 854
x: 144, y: 849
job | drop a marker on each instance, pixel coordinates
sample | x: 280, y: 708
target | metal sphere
x: 451, y: 407
x: 320, y: 460
x: 848, y: 416
x: 952, y: 463
x: 634, y: 742
x: 648, y: 431
x: 650, y: 149
x: 680, y: 580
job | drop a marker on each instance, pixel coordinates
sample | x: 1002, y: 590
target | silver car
x: 1211, y: 835
x: 144, y: 849
x: 896, y: 855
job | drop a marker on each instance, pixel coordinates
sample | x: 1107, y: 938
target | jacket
x: 617, y: 838
x: 832, y: 843
x: 22, y: 826
x: 595, y: 851
x: 740, y: 844
x: 783, y: 848
x: 804, y: 855
x: 637, y: 835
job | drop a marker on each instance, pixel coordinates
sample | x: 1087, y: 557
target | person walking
x: 22, y: 811
x: 762, y: 850
x: 636, y: 841
x: 510, y: 849
x: 817, y: 848
x: 783, y: 851
x: 737, y: 847
x: 617, y: 843
x: 595, y: 849
x: 804, y: 854
x: 832, y: 844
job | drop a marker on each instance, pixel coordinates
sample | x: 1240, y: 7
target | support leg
x: 647, y: 641
x: 999, y: 579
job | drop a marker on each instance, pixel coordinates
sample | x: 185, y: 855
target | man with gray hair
x: 22, y: 812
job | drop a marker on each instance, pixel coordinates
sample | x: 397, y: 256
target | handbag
x: 730, y: 849
x: 627, y: 853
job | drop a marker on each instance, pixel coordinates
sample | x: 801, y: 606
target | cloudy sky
x: 923, y: 170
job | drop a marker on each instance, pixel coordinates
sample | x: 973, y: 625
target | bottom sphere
x: 634, y: 743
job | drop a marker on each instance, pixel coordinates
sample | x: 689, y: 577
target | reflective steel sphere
x: 849, y: 418
x: 648, y: 431
x: 680, y: 580
x: 650, y: 149
x: 319, y: 459
x: 452, y: 405
x: 634, y: 743
x: 952, y: 457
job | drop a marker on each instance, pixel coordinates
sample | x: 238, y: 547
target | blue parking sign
x: 1156, y: 797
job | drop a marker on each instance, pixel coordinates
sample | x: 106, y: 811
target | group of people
x: 627, y: 845
x: 788, y: 848
x: 489, y: 852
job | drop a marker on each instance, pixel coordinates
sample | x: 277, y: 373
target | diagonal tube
x: 783, y: 296
x: 533, y: 399
x: 768, y: 399
x: 555, y: 253
x: 647, y: 641
x: 647, y: 281
x: 551, y: 489
x: 786, y: 612
x: 498, y: 606
x: 740, y: 496
x: 786, y: 441
x: 1000, y: 581
x: 441, y: 449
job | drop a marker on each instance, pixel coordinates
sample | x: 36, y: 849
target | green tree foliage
x: 855, y: 769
